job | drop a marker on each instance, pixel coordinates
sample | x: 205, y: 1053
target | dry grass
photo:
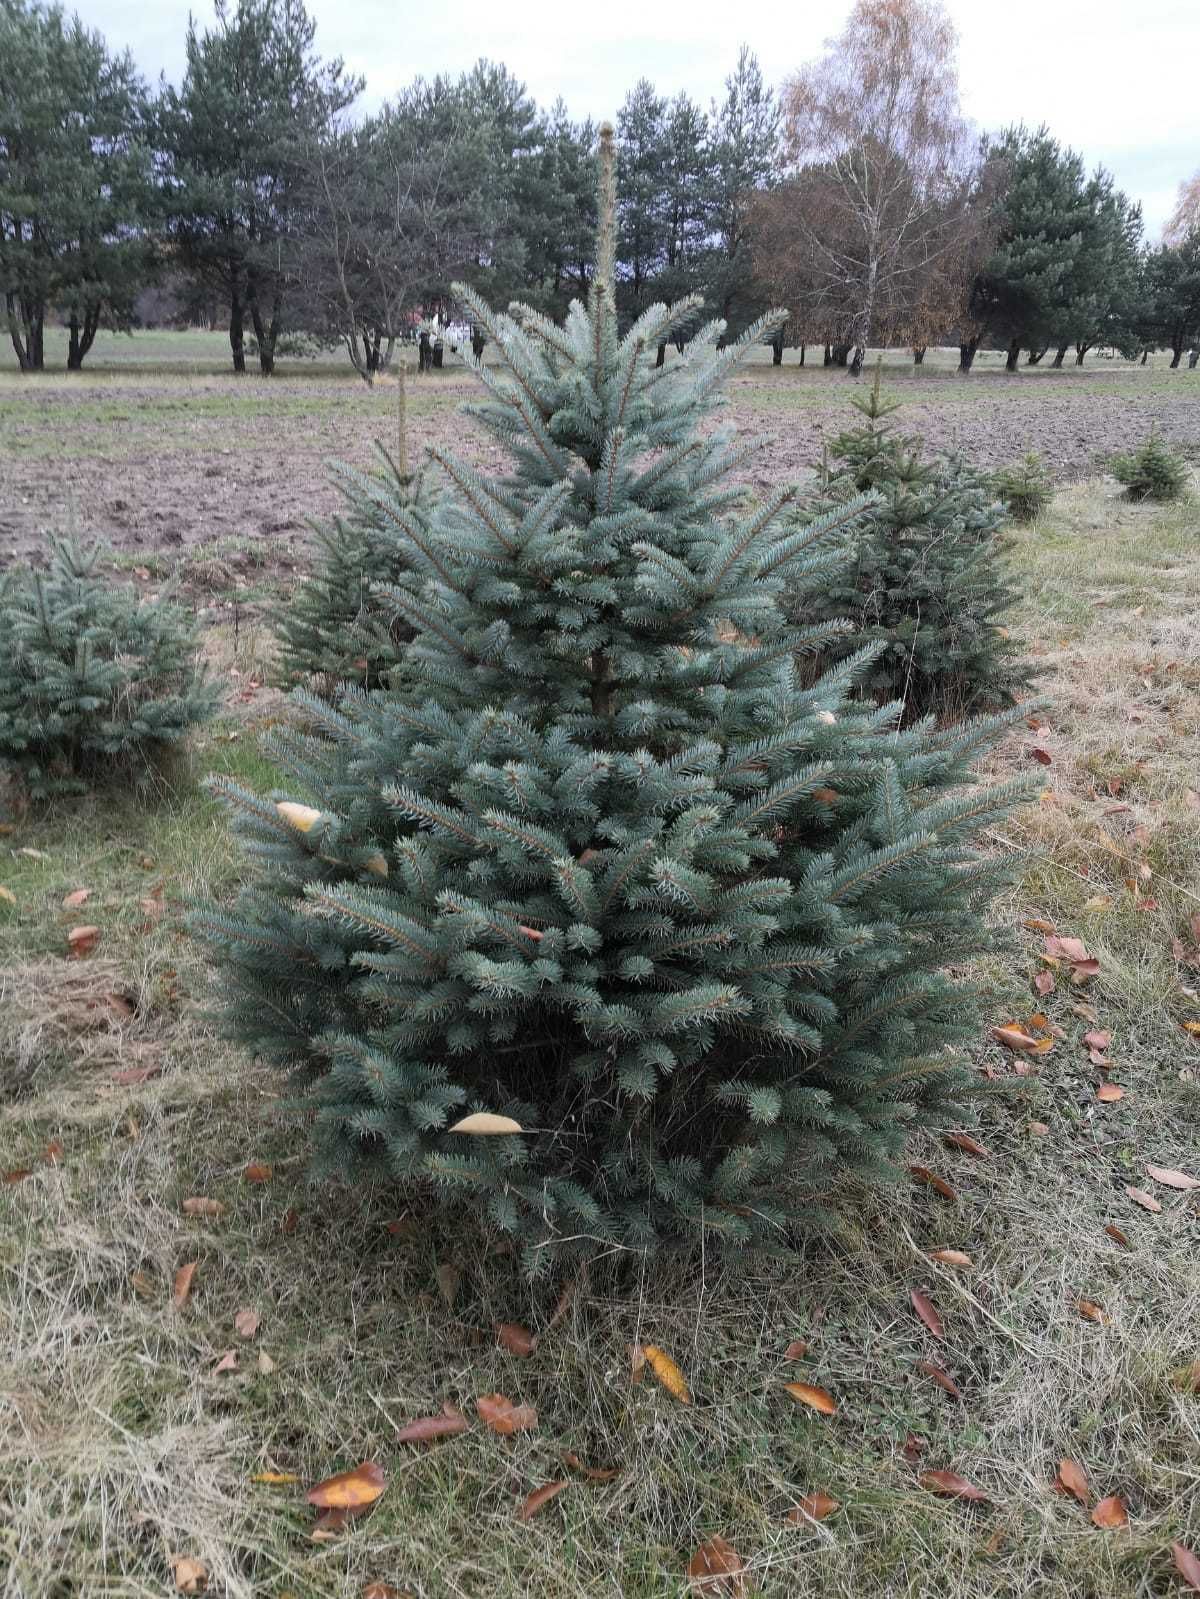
x: 120, y: 1447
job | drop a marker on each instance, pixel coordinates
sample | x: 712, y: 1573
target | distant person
x: 478, y: 343
x: 424, y: 352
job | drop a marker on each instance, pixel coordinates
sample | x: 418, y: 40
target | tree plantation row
x: 857, y: 196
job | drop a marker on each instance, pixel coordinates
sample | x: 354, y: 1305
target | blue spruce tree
x: 624, y: 925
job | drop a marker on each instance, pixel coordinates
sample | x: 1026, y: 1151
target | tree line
x: 253, y: 196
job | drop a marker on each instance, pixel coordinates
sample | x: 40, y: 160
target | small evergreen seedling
x: 94, y: 680
x: 926, y: 580
x: 1025, y: 488
x: 1151, y: 472
x: 608, y: 923
x: 333, y: 629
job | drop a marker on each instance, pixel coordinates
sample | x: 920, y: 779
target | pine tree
x: 331, y: 629
x: 1024, y: 487
x: 94, y: 680
x: 614, y: 927
x: 925, y: 581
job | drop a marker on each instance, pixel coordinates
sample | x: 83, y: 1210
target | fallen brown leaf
x: 227, y: 1362
x: 1109, y: 1093
x: 942, y: 1378
x: 385, y: 1590
x: 265, y: 1364
x: 1071, y: 1479
x: 592, y: 1473
x: 1092, y: 1312
x: 349, y: 1490
x: 1115, y: 1233
x: 796, y: 1350
x: 951, y: 1257
x: 1111, y: 1513
x: 1187, y: 1564
x: 1097, y: 1040
x: 246, y: 1323
x: 539, y: 1497
x: 922, y: 1174
x: 818, y: 1399
x: 951, y: 1485
x: 717, y: 1568
x: 965, y: 1142
x: 1043, y: 984
x: 82, y: 941
x: 276, y: 1479
x: 183, y: 1284
x: 502, y: 1416
x: 18, y: 1174
x: 257, y: 1172
x: 137, y: 1074
x: 927, y: 1313
x: 813, y: 1507
x: 1142, y: 1198
x: 426, y: 1428
x: 198, y: 1206
x: 328, y: 1525
x: 448, y: 1279
x: 1171, y: 1178
x: 76, y: 898
x: 516, y: 1339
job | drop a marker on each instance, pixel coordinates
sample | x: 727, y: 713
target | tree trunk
x: 840, y: 354
x: 1176, y: 354
x: 777, y: 350
x: 266, y: 333
x: 856, y: 364
x: 1014, y: 355
x: 82, y: 338
x: 828, y: 355
x: 1080, y: 351
x: 1035, y: 356
x: 1145, y: 353
x: 919, y: 354
x: 1193, y: 360
x: 1060, y: 353
x: 966, y: 354
x: 20, y: 343
x: 237, y: 327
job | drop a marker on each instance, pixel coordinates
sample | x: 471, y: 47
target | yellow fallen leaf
x: 667, y: 1373
x: 349, y: 1490
x: 275, y: 1479
x: 7, y: 895
x: 483, y: 1124
x: 818, y: 1399
x: 951, y: 1257
x: 301, y: 817
x: 191, y: 1575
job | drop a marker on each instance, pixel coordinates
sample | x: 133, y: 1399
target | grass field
x: 122, y: 1447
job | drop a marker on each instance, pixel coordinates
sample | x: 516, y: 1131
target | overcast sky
x: 1115, y: 78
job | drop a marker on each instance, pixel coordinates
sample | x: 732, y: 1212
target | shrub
x: 329, y: 630
x: 1025, y: 488
x: 925, y: 579
x: 1151, y: 472
x: 93, y: 678
x: 611, y: 928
